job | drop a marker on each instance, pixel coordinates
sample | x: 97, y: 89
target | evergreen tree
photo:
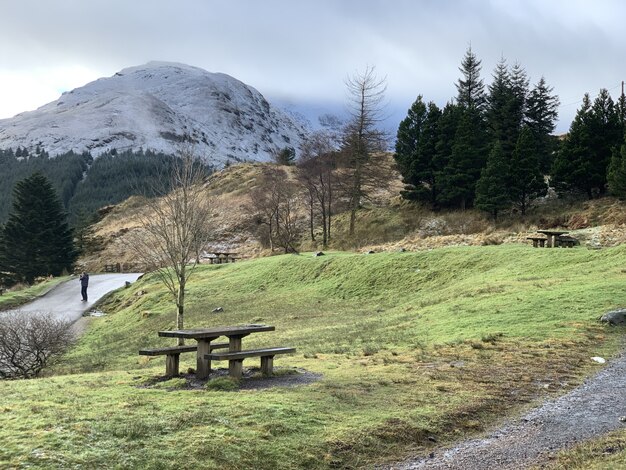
x: 470, y: 88
x: 36, y: 239
x: 527, y: 182
x: 446, y: 130
x: 541, y: 115
x: 569, y: 170
x: 491, y: 189
x: 582, y: 163
x: 502, y: 126
x: 416, y: 151
x: 466, y: 161
x: 617, y: 172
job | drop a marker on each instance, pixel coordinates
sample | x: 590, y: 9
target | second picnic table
x: 204, y: 336
x: 552, y: 236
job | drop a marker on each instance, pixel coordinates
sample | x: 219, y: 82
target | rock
x: 127, y: 284
x: 318, y: 253
x: 401, y: 250
x: 370, y: 252
x: 432, y: 439
x: 622, y: 419
x: 218, y: 309
x: 599, y: 360
x: 615, y: 317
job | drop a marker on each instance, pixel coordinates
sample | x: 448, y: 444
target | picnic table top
x: 553, y: 232
x: 202, y: 333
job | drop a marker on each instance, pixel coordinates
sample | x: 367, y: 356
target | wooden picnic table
x: 219, y: 257
x: 204, y: 336
x: 552, y: 235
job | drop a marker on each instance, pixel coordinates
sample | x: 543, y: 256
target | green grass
x: 409, y: 345
x: 21, y: 295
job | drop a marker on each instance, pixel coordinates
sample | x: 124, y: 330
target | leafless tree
x: 361, y: 138
x: 316, y: 173
x: 176, y: 227
x: 274, y: 205
x: 30, y: 342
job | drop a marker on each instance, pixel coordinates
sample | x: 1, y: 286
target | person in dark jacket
x: 84, y: 282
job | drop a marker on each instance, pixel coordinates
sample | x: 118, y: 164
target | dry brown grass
x: 387, y: 224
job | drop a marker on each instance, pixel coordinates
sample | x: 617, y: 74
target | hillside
x: 410, y: 348
x: 157, y: 106
x: 386, y: 222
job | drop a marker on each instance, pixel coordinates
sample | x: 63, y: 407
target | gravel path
x: 586, y: 412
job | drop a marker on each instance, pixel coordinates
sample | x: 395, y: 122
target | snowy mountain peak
x: 157, y: 106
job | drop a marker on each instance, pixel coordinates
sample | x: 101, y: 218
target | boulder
x: 615, y: 317
x: 218, y: 310
x: 318, y: 253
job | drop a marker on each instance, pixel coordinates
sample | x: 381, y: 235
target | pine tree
x: 37, y: 239
x: 470, y: 88
x: 541, y: 115
x: 447, y: 126
x: 617, y: 172
x: 466, y: 161
x: 491, y: 189
x: 582, y: 164
x: 527, y: 182
x: 416, y: 151
x: 501, y: 126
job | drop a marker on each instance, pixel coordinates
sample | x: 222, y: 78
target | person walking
x: 84, y: 282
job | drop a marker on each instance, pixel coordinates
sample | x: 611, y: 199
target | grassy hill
x: 411, y: 347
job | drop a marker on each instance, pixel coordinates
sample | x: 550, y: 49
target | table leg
x: 234, y: 343
x: 550, y: 241
x: 203, y: 366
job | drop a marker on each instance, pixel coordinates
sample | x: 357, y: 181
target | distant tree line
x: 83, y: 183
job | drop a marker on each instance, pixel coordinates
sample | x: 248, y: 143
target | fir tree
x: 466, y: 161
x: 446, y: 130
x: 416, y: 151
x: 582, y: 164
x: 527, y: 182
x: 36, y: 239
x: 491, y: 189
x: 541, y: 115
x: 617, y: 172
x: 470, y: 88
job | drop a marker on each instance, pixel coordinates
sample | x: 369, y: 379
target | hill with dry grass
x: 385, y: 223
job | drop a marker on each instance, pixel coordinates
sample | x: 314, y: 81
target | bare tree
x: 361, y: 138
x: 316, y: 173
x: 175, y: 227
x: 30, y: 342
x: 274, y: 204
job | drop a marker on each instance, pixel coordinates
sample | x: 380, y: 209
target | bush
x: 29, y: 342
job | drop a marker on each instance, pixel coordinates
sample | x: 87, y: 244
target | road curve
x: 64, y: 301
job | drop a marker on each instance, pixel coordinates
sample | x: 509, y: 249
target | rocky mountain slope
x: 157, y: 106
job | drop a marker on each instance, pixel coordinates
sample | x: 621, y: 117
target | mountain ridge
x: 158, y: 106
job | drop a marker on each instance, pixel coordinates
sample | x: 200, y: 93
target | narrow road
x: 64, y: 301
x: 588, y: 411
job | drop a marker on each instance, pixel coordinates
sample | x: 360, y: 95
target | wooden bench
x: 566, y: 241
x: 235, y: 359
x: 172, y: 353
x: 538, y: 241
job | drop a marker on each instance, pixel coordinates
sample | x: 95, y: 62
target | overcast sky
x: 299, y: 52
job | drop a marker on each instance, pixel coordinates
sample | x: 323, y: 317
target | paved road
x: 64, y: 301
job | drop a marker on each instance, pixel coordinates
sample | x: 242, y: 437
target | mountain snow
x: 157, y: 106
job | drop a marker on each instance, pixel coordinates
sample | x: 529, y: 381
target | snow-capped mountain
x: 156, y: 106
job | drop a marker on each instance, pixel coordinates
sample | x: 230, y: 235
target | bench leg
x: 535, y: 243
x: 267, y: 365
x: 235, y: 368
x: 172, y: 362
x: 203, y: 366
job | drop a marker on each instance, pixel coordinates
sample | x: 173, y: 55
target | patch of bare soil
x: 589, y: 411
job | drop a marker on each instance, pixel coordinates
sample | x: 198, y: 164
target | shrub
x: 29, y: 342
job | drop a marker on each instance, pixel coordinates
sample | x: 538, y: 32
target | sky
x: 299, y: 53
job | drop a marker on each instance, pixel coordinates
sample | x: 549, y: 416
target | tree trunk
x: 180, y: 304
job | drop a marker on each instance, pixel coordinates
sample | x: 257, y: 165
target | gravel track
x: 589, y: 411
